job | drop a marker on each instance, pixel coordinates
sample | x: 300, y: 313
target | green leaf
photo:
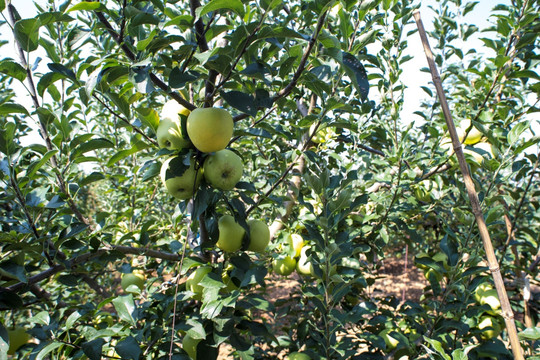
x: 125, y: 307
x: 2, y: 5
x: 34, y: 167
x: 93, y: 348
x: 138, y: 146
x: 52, y: 17
x: 61, y: 69
x: 140, y: 77
x: 355, y: 70
x: 26, y: 33
x: 94, y: 144
x: 47, y: 80
x: 516, y: 131
x: 11, y: 108
x: 7, y: 136
x: 93, y: 177
x: 234, y: 5
x: 178, y: 79
x: 87, y: 6
x: 241, y: 101
x: 13, y: 69
x: 72, y: 319
x: 524, y: 74
x: 14, y: 270
x: 45, y: 115
x: 530, y: 334
x: 43, y: 354
x: 128, y: 348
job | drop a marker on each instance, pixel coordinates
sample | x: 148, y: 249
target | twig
x: 473, y: 196
x: 131, y: 56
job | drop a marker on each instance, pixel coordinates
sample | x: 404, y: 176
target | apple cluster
x: 297, y: 259
x: 477, y: 148
x: 209, y: 130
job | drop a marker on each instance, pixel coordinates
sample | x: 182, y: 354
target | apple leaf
x: 355, y: 70
x: 125, y: 307
x: 93, y: 348
x: 26, y: 33
x: 234, y: 5
x: 13, y: 69
x: 128, y: 348
x: 178, y: 79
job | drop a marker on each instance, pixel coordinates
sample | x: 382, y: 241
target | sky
x: 412, y: 77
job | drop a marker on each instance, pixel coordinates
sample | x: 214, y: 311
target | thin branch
x: 127, y: 51
x: 121, y: 118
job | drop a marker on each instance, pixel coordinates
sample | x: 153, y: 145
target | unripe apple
x: 193, y: 280
x: 259, y: 235
x: 298, y: 356
x: 296, y: 243
x: 169, y: 132
x: 284, y: 266
x: 223, y: 169
x: 180, y: 180
x: 304, y: 266
x: 490, y: 327
x: 189, y: 345
x: 490, y: 298
x: 226, y: 279
x: 17, y: 338
x: 210, y: 129
x: 132, y: 279
x: 230, y: 234
x: 473, y: 137
x: 428, y: 272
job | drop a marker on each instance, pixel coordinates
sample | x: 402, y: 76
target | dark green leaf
x: 355, y: 70
x: 177, y: 79
x: 241, y: 101
x: 13, y: 69
x: 61, y: 69
x: 47, y: 80
x: 93, y: 348
x: 27, y: 34
x: 10, y: 108
x: 34, y: 167
x: 128, y: 348
x: 94, y: 144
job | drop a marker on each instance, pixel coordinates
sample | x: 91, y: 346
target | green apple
x: 422, y: 190
x: 298, y: 356
x: 193, y: 281
x: 259, y: 235
x: 226, y: 279
x: 304, y: 266
x: 490, y: 327
x: 323, y: 134
x: 17, y: 338
x: 481, y: 290
x: 428, y: 272
x: 490, y: 298
x: 169, y: 131
x: 473, y: 137
x: 210, y: 129
x: 189, y: 345
x: 391, y: 342
x: 296, y: 243
x: 223, y: 169
x: 231, y: 234
x: 284, y: 266
x: 180, y: 180
x: 132, y: 279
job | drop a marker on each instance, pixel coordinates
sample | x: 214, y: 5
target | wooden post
x: 473, y: 197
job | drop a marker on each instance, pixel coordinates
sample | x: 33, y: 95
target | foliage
x: 316, y: 89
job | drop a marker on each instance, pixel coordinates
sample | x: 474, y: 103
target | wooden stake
x: 473, y: 197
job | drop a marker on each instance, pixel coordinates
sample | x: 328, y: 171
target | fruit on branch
x: 490, y: 327
x: 429, y: 272
x: 189, y: 344
x: 131, y: 280
x: 210, y: 129
x: 179, y: 176
x: 259, y: 235
x: 227, y: 280
x: 231, y: 234
x: 323, y: 134
x: 473, y: 137
x: 169, y: 132
x: 284, y: 265
x: 17, y: 338
x: 390, y: 341
x: 193, y: 281
x: 223, y: 169
x: 304, y: 266
x: 298, y: 356
x: 296, y: 243
x: 490, y: 297
x: 422, y: 190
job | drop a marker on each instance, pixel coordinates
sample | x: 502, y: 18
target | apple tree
x: 229, y: 179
